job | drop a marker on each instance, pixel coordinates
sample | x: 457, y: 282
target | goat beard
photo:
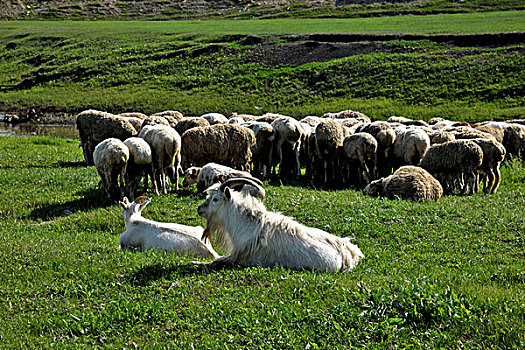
x: 213, y: 226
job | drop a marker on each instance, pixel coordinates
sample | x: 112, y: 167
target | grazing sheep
x: 140, y: 164
x: 451, y: 162
x: 226, y: 144
x: 187, y: 123
x: 155, y: 120
x: 165, y: 145
x: 269, y: 117
x: 96, y: 126
x: 358, y: 149
x: 385, y: 136
x: 236, y: 120
x: 173, y: 117
x: 410, y: 146
x: 288, y: 132
x: 348, y: 114
x: 215, y: 118
x: 210, y: 174
x: 440, y: 136
x: 406, y: 121
x: 261, y: 150
x: 311, y: 120
x: 493, y: 156
x: 514, y: 140
x: 408, y: 182
x: 496, y: 132
x: 329, y: 138
x: 466, y: 132
x: 137, y: 115
x: 258, y: 237
x: 142, y: 234
x: 111, y: 158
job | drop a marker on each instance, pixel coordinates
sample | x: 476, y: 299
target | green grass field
x: 470, y: 23
x: 204, y: 66
x: 448, y: 274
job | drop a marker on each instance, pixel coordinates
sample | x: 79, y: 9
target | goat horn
x: 238, y: 181
x: 138, y: 199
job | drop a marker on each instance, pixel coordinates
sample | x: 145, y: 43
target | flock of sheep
x: 228, y: 157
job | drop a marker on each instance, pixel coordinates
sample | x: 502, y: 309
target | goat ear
x: 227, y: 193
x: 124, y: 203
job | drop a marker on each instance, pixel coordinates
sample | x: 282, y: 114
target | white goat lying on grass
x: 143, y: 234
x: 258, y: 237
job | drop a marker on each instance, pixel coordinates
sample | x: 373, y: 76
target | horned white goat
x: 143, y: 234
x: 258, y: 237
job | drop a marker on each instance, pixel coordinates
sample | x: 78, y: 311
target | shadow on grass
x: 148, y: 274
x: 91, y: 199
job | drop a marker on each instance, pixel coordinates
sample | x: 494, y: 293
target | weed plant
x: 446, y: 274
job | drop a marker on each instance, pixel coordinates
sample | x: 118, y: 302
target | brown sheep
x: 96, y: 126
x: 226, y: 144
x: 408, y: 182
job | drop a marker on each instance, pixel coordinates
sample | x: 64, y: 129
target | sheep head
x: 374, y: 188
x: 190, y: 176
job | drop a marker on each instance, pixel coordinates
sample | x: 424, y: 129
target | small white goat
x: 143, y: 234
x: 258, y: 237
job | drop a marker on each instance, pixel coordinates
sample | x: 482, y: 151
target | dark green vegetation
x: 435, y: 275
x: 270, y: 66
x: 206, y: 9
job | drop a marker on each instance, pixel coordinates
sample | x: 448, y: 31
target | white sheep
x: 165, y: 145
x: 215, y: 118
x: 261, y: 150
x: 258, y: 237
x: 111, y: 158
x: 140, y: 165
x: 143, y: 234
x: 360, y: 148
x: 210, y: 174
x: 329, y: 138
x: 385, y: 135
x: 493, y: 156
x: 410, y: 146
x: 288, y: 131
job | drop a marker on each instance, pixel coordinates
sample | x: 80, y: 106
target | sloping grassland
x: 275, y: 66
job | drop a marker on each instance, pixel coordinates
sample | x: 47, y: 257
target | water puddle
x: 31, y: 129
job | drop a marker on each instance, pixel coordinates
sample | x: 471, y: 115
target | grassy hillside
x: 435, y: 275
x: 269, y: 66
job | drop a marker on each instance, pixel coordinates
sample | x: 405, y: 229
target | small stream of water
x: 31, y: 129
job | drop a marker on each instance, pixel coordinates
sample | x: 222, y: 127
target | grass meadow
x: 449, y: 274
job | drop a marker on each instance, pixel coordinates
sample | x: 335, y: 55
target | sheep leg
x: 297, y: 161
x: 497, y: 179
x: 121, y: 180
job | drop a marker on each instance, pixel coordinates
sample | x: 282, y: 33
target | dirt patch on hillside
x: 297, y: 54
x: 296, y: 50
